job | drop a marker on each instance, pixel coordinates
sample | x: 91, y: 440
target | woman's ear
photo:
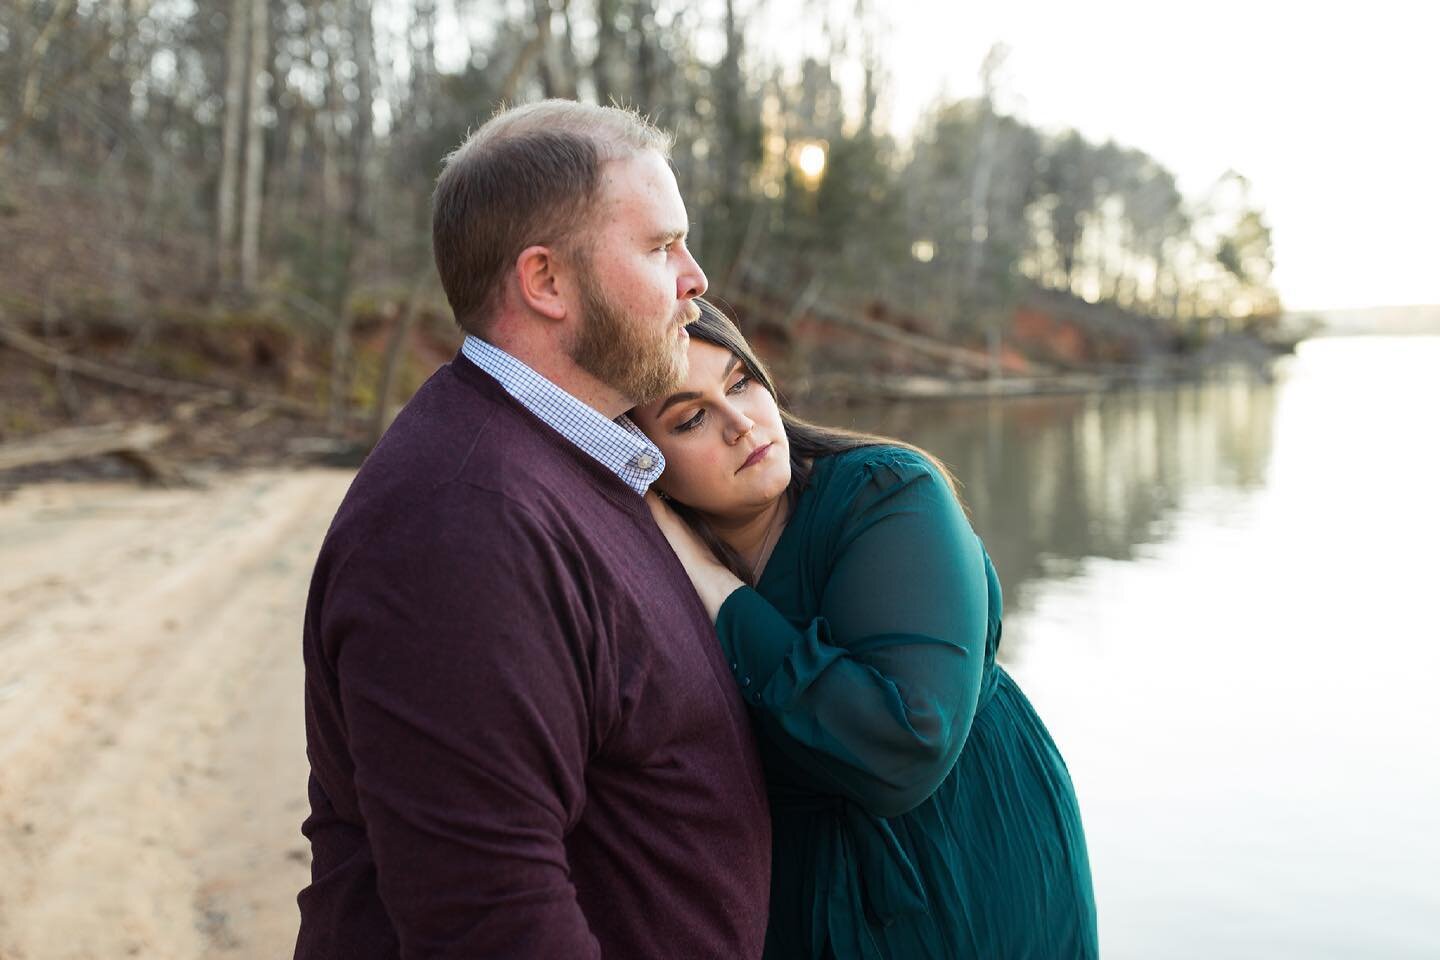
x: 537, y: 273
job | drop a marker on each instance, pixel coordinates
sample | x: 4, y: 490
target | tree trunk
x: 396, y: 350
x: 607, y: 39
x: 728, y: 161
x: 647, y: 75
x: 985, y: 159
x: 292, y: 165
x: 356, y: 222
x: 254, y: 147
x: 28, y: 105
x: 510, y: 85
x: 230, y: 142
x: 567, y: 50
x: 555, y: 80
x: 330, y: 151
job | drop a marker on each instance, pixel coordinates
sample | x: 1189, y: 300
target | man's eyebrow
x: 685, y: 395
x: 669, y: 236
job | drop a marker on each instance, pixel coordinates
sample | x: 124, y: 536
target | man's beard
x: 638, y: 363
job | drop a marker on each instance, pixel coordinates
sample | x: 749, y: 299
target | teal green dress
x: 920, y: 808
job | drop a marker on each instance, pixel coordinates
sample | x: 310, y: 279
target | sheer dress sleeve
x: 872, y: 699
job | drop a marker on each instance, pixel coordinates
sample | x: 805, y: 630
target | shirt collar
x: 617, y: 444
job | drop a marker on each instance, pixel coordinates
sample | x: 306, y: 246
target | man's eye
x: 739, y: 385
x: 692, y: 423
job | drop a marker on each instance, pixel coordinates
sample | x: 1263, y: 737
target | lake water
x: 1224, y: 600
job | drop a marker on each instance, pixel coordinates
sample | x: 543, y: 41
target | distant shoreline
x: 1416, y: 320
x: 857, y: 389
x: 1334, y: 334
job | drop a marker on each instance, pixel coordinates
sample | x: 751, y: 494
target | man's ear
x: 537, y: 272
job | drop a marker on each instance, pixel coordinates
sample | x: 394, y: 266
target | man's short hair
x: 531, y: 175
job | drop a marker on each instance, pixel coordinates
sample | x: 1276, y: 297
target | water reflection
x: 1052, y: 481
x: 1221, y: 599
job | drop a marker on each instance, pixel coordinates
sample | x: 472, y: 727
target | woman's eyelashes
x: 698, y: 417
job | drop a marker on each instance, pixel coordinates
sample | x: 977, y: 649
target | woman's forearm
x: 714, y: 584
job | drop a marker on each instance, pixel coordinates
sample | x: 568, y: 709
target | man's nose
x: 691, y: 282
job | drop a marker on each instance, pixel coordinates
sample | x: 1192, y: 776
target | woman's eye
x: 739, y: 385
x: 692, y: 423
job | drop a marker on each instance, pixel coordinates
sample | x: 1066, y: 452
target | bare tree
x: 33, y: 89
x: 356, y: 220
x: 606, y: 64
x: 647, y: 70
x: 225, y: 198
x: 985, y: 160
x: 555, y: 76
x: 252, y: 200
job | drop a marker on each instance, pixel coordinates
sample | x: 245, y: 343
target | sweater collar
x: 618, y: 445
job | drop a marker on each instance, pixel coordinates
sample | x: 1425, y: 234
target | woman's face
x: 725, y: 447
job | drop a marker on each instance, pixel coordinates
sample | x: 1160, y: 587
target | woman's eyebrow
x: 675, y: 398
x: 685, y: 395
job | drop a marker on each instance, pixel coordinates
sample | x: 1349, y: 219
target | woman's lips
x: 758, y: 454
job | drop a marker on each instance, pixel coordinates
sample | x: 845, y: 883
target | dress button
x: 745, y: 682
x: 644, y: 461
x: 734, y: 666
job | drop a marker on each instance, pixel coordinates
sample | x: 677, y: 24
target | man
x: 523, y: 739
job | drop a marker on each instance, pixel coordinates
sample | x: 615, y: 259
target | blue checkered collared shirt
x: 618, y: 444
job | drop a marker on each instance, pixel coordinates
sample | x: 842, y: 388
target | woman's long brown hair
x: 808, y: 441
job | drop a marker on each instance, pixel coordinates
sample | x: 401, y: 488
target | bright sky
x: 1332, y: 110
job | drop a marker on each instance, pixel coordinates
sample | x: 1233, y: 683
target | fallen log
x: 133, y: 443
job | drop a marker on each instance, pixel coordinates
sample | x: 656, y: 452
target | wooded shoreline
x: 77, y: 404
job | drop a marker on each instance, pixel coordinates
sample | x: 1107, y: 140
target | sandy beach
x: 152, y: 765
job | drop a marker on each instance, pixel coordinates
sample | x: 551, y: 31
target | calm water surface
x: 1223, y: 601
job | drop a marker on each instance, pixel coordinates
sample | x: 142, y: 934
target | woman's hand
x: 712, y: 580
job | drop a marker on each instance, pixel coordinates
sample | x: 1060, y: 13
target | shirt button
x: 745, y: 682
x: 644, y: 461
x: 734, y: 666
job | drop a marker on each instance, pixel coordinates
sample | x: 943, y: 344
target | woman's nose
x: 739, y: 426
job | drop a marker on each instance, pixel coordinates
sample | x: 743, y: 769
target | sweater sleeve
x: 873, y: 699
x: 462, y: 673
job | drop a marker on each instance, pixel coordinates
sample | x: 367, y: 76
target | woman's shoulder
x: 897, y: 486
x: 858, y: 478
x: 884, y: 464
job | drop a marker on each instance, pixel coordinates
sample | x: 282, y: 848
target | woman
x: 860, y: 615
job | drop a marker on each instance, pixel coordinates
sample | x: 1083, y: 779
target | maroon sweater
x: 523, y: 738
